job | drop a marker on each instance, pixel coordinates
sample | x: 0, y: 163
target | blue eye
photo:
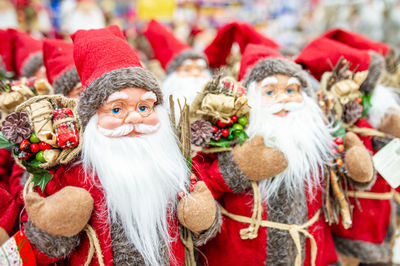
x: 290, y: 91
x: 116, y: 110
x: 142, y: 108
x: 269, y: 93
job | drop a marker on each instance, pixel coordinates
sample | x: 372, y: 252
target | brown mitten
x: 358, y: 160
x: 391, y: 125
x: 257, y: 161
x: 65, y: 213
x: 197, y: 212
x: 3, y: 236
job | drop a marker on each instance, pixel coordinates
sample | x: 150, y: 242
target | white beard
x: 302, y: 136
x: 141, y: 177
x: 182, y: 88
x: 384, y: 101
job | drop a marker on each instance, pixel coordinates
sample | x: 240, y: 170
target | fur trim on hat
x: 98, y: 91
x: 273, y: 66
x: 178, y: 60
x: 375, y: 69
x: 32, y: 64
x: 66, y: 82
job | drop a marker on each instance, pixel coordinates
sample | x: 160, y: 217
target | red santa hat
x: 167, y: 49
x: 242, y: 33
x: 357, y: 41
x: 106, y: 63
x: 60, y: 67
x: 259, y: 62
x: 322, y: 54
x: 27, y: 53
x: 6, y: 51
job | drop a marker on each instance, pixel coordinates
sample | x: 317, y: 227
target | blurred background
x: 291, y: 23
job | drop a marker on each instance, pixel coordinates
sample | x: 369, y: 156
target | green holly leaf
x: 189, y: 162
x: 5, y: 143
x: 341, y: 131
x: 40, y: 176
x: 240, y: 134
x: 366, y: 103
x: 223, y: 143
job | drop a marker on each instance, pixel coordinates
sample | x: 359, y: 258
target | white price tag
x: 387, y: 162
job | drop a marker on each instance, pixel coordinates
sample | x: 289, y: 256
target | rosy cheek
x: 268, y: 100
x: 108, y: 122
x: 151, y: 120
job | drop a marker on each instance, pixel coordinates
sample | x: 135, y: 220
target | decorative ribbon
x: 294, y: 229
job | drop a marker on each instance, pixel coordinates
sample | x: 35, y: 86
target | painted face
x: 128, y: 112
x: 40, y: 73
x: 280, y: 89
x: 192, y: 68
x: 74, y: 93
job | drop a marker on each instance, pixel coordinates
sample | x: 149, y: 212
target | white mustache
x: 128, y: 128
x: 276, y: 108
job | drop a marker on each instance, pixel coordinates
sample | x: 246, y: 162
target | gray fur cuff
x: 375, y: 69
x: 66, y: 82
x: 233, y: 176
x: 98, y: 91
x: 178, y: 60
x: 364, y: 251
x: 211, y: 232
x: 32, y: 64
x: 51, y: 245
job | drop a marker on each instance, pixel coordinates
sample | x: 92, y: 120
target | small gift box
x: 65, y: 128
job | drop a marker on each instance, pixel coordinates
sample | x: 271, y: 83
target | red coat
x: 74, y: 176
x: 227, y: 248
x: 371, y: 222
x: 10, y: 191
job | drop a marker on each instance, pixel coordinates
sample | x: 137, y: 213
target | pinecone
x: 201, y: 132
x: 352, y: 111
x: 16, y: 127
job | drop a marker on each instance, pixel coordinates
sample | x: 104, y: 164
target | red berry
x: 44, y: 146
x: 234, y: 118
x: 24, y: 145
x: 35, y: 147
x: 225, y: 133
x: 194, y: 182
x: 181, y: 194
x: 359, y: 100
x: 24, y: 155
x: 339, y: 141
x: 215, y: 129
x: 193, y: 177
x: 221, y: 124
x: 191, y: 187
x: 340, y: 148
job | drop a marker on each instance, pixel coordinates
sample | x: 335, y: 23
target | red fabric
x: 97, y: 52
x: 25, y: 46
x: 219, y: 49
x: 253, y: 54
x: 322, y: 54
x: 73, y: 175
x: 357, y: 41
x: 57, y: 58
x: 371, y: 222
x: 243, y: 34
x: 227, y: 248
x: 165, y: 45
x: 6, y: 50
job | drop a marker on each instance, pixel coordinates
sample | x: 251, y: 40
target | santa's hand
x: 3, y: 236
x: 65, y: 213
x: 358, y: 160
x: 391, y: 125
x: 257, y: 161
x: 197, y: 212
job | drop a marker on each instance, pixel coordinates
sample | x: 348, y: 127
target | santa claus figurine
x: 60, y: 67
x: 187, y: 70
x: 123, y: 190
x: 368, y: 240
x: 270, y: 188
x: 27, y: 55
